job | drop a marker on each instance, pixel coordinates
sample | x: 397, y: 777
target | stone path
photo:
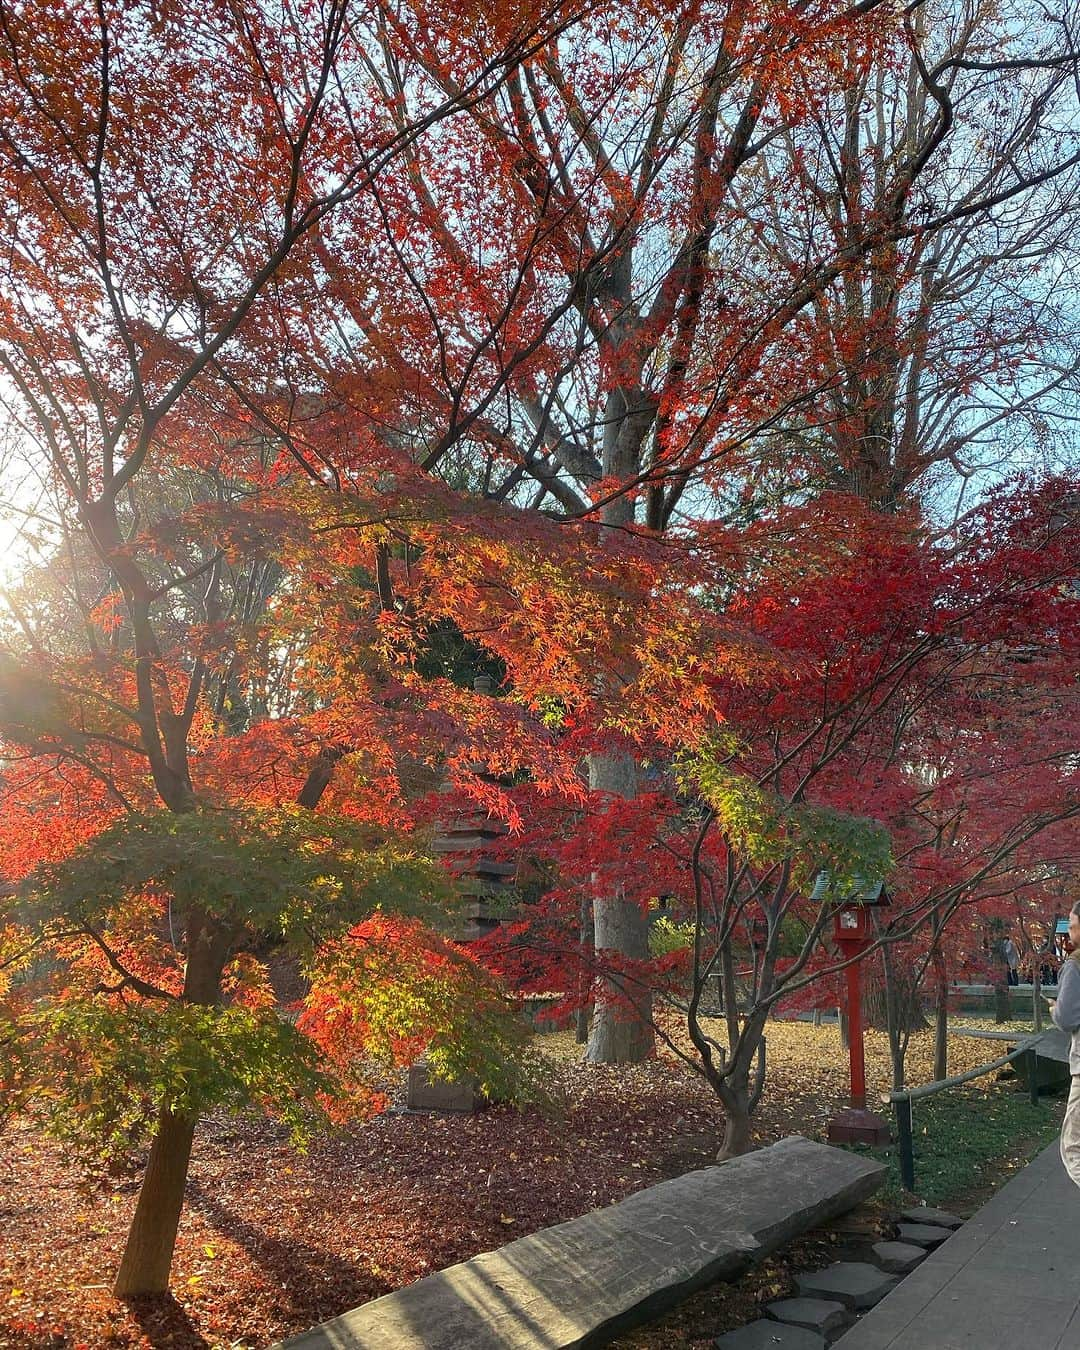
x: 830, y: 1300
x: 572, y: 1284
x: 1009, y: 1277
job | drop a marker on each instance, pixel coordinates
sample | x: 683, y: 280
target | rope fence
x: 902, y: 1100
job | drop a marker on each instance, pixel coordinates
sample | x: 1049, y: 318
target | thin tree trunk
x: 585, y: 1007
x: 144, y: 1268
x: 621, y: 1027
x: 741, y: 1096
x: 1002, y: 1002
x: 941, y: 1024
x: 736, y: 1138
x: 892, y: 1000
x: 148, y: 1253
x: 900, y: 995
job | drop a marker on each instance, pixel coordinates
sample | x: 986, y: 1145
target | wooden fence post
x: 904, y: 1140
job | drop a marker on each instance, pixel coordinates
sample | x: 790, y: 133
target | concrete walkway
x: 1009, y: 1277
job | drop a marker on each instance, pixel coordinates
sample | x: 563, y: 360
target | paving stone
x: 938, y: 1218
x: 898, y: 1258
x: 815, y: 1314
x: 856, y: 1284
x: 569, y: 1285
x: 770, y: 1336
x: 923, y: 1234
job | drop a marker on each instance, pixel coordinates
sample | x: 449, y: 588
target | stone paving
x: 771, y: 1336
x: 898, y: 1258
x: 922, y: 1234
x: 824, y: 1316
x: 855, y: 1284
x: 1009, y: 1277
x: 832, y: 1298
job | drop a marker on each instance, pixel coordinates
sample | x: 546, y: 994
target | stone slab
x: 856, y: 1284
x: 898, y: 1258
x: 424, y: 1093
x: 922, y: 1234
x: 813, y: 1314
x: 577, y: 1283
x: 770, y: 1336
x: 938, y: 1218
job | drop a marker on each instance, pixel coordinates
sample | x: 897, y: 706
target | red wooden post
x: 855, y: 1124
x: 855, y: 1036
x: 853, y: 934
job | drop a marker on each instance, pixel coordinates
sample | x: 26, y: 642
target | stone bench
x: 579, y: 1282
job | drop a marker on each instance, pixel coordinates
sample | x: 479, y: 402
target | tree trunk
x: 585, y: 1007
x: 148, y: 1254
x: 941, y: 1041
x: 941, y: 1016
x: 736, y: 1139
x: 144, y: 1268
x: 892, y: 1002
x: 620, y: 1034
x: 941, y: 1035
x: 1002, y: 1002
x: 898, y: 1014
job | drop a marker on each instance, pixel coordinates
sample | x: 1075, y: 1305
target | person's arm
x: 1066, y: 1009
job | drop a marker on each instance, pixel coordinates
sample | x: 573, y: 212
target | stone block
x: 923, y: 1234
x: 938, y: 1218
x: 770, y: 1336
x: 425, y: 1093
x: 580, y: 1282
x: 898, y: 1258
x: 825, y: 1316
x: 855, y: 1284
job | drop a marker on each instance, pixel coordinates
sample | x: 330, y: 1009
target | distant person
x: 1012, y: 960
x: 1066, y: 1015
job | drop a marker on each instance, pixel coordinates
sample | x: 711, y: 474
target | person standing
x: 1066, y: 1015
x: 1012, y: 960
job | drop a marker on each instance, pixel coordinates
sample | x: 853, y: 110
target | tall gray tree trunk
x: 619, y: 1035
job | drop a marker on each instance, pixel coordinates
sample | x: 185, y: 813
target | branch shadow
x: 165, y: 1323
x: 314, y: 1284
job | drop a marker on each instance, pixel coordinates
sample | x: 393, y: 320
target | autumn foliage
x: 362, y: 350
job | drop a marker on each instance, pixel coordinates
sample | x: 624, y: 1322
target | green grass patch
x: 971, y: 1137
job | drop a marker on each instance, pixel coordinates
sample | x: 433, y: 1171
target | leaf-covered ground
x: 272, y: 1242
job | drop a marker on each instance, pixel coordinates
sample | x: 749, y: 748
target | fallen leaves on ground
x: 272, y: 1242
